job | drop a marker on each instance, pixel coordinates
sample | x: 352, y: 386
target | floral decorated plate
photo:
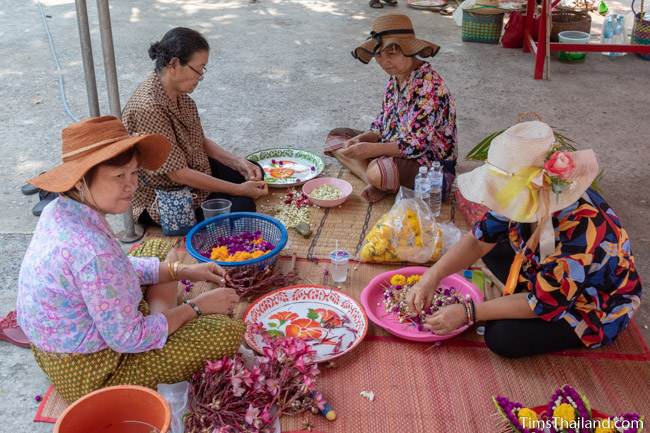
x: 287, y: 167
x: 372, y: 299
x: 330, y: 321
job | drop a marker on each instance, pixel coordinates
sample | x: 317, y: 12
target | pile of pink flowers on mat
x: 229, y: 396
x: 568, y: 411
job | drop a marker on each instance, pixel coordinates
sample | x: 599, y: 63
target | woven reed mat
x: 373, y: 364
x: 347, y: 224
x: 449, y: 389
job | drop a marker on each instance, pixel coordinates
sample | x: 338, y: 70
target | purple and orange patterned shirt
x: 421, y: 117
x: 77, y: 290
x: 590, y: 281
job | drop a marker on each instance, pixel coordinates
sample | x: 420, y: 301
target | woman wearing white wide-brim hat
x: 566, y: 261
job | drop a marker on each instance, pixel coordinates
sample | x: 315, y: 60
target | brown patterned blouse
x: 149, y: 110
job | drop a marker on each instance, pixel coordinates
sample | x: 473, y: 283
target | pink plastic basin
x: 372, y: 299
x: 342, y: 185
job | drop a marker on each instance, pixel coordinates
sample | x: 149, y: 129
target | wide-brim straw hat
x: 398, y: 30
x: 487, y: 7
x: 92, y: 141
x: 509, y: 184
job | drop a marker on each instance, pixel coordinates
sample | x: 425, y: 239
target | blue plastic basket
x: 203, y: 237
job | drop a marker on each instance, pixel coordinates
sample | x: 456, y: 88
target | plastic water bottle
x: 609, y: 27
x: 435, y: 187
x: 422, y: 185
x: 619, y: 34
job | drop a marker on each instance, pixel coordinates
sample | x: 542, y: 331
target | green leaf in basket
x: 275, y: 333
x: 480, y: 151
x: 313, y: 315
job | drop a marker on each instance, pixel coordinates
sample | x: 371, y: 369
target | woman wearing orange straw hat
x: 79, y: 294
x: 417, y: 121
x: 569, y: 273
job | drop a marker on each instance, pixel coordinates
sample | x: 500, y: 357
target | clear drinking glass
x: 214, y: 207
x: 339, y: 265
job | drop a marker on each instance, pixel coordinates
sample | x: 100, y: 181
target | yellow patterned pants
x: 206, y: 338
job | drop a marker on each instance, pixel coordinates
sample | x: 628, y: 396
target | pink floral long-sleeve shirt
x: 77, y: 290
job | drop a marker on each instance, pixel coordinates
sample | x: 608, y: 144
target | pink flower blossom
x: 214, y: 366
x: 273, y: 386
x: 560, y: 164
x: 252, y: 416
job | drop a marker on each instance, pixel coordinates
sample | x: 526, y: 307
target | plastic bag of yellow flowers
x: 407, y: 233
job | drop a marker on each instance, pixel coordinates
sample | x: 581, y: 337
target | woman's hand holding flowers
x: 447, y: 319
x: 218, y: 301
x: 209, y: 271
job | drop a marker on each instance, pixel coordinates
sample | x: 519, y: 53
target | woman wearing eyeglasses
x: 162, y: 105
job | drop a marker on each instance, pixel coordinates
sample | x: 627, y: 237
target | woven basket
x: 569, y: 19
x: 482, y: 28
x: 641, y: 30
x: 205, y: 235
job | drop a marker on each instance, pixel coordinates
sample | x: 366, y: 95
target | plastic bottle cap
x: 423, y: 169
x: 467, y: 273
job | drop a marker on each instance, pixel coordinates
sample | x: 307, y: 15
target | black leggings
x: 223, y: 172
x: 515, y: 338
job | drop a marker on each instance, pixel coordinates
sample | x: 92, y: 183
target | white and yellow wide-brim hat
x: 516, y: 174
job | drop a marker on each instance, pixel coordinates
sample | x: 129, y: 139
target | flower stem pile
x: 252, y: 282
x: 230, y: 397
x: 396, y: 294
x: 241, y: 247
x: 294, y: 209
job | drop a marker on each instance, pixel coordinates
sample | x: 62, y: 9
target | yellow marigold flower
x: 527, y: 417
x: 398, y: 280
x: 565, y: 412
x: 413, y: 279
x: 219, y: 253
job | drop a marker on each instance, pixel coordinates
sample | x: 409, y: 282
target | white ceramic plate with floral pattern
x: 287, y: 167
x: 331, y: 322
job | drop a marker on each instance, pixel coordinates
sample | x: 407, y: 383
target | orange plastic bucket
x: 117, y: 409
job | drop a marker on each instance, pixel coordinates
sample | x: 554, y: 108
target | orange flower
x: 284, y: 316
x: 329, y: 317
x: 306, y: 329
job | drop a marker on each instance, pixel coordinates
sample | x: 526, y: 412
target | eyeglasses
x: 201, y: 73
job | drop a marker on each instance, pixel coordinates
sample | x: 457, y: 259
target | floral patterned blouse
x: 77, y: 290
x: 590, y: 281
x: 421, y: 117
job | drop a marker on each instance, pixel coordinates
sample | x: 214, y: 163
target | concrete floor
x: 281, y: 75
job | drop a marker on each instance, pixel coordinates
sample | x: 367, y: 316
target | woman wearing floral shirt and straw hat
x: 80, y: 297
x: 417, y: 121
x: 569, y: 273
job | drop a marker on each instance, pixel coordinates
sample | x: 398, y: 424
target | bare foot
x: 372, y: 194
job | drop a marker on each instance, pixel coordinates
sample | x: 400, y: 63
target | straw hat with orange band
x: 527, y: 177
